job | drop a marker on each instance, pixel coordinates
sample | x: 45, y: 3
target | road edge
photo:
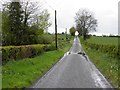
x: 34, y: 84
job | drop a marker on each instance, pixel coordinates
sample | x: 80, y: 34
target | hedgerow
x: 25, y: 51
x: 112, y: 50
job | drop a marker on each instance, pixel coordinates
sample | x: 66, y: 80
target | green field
x: 104, y: 40
x: 99, y: 51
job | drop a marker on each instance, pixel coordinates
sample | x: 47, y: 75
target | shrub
x: 25, y: 51
x: 45, y: 39
x: 49, y: 47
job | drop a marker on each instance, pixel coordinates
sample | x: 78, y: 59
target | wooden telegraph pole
x: 66, y: 34
x: 55, y: 30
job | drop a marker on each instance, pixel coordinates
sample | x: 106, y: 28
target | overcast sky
x: 105, y: 11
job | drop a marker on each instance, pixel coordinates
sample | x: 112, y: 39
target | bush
x: 49, y: 47
x: 25, y: 51
x: 45, y: 39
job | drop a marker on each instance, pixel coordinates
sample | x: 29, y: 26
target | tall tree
x: 85, y: 21
x: 16, y: 17
x: 30, y: 17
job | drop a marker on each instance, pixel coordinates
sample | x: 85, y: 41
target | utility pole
x: 55, y: 30
x: 66, y: 34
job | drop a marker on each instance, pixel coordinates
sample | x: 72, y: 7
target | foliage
x: 34, y: 34
x: 45, y: 39
x: 30, y: 27
x: 5, y: 29
x: 85, y: 22
x: 72, y: 31
x: 44, y: 20
x: 0, y: 21
x: 15, y: 17
x: 25, y: 51
x: 79, y: 29
x: 110, y: 49
x: 21, y: 25
x: 11, y: 18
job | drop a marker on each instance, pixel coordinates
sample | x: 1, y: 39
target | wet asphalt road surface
x: 74, y: 70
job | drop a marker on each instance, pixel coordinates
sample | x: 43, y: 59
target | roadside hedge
x: 112, y: 50
x: 25, y: 51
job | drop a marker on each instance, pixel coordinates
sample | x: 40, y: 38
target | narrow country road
x: 74, y: 70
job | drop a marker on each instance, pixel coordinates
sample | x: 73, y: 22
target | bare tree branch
x: 31, y: 10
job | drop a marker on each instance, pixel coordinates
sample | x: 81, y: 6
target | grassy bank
x: 23, y: 73
x: 103, y: 61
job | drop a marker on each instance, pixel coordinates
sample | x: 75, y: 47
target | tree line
x: 24, y: 23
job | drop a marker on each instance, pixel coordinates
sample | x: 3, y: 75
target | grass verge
x: 106, y: 64
x: 22, y: 73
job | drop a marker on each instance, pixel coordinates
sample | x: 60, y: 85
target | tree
x: 29, y: 21
x: 85, y: 22
x: 0, y: 28
x: 6, y: 35
x: 44, y: 20
x: 12, y: 16
x: 79, y: 29
x: 37, y: 21
x: 41, y: 25
x: 72, y: 31
x: 30, y: 9
x: 21, y: 23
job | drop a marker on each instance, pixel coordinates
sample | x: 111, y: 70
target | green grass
x: 104, y: 40
x: 23, y: 73
x: 103, y: 61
